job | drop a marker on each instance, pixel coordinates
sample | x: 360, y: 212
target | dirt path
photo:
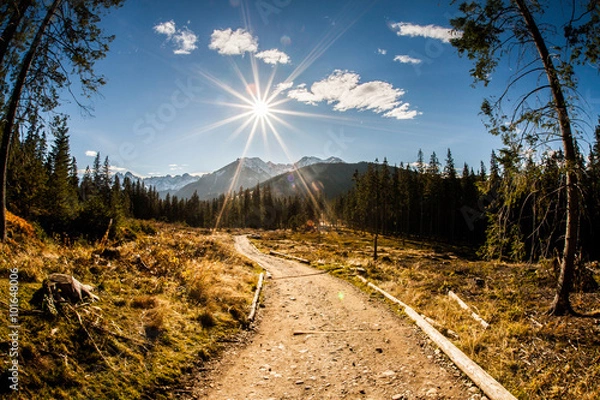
x: 351, y: 347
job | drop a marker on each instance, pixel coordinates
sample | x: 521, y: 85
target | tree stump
x: 62, y: 287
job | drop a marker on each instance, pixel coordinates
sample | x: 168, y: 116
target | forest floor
x: 533, y: 355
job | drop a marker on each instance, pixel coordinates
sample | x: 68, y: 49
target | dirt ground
x: 319, y: 337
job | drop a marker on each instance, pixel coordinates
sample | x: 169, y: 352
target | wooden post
x: 252, y: 314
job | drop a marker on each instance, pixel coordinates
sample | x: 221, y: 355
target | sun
x: 261, y: 109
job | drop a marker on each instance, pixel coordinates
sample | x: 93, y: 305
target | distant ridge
x: 162, y: 184
x: 252, y: 171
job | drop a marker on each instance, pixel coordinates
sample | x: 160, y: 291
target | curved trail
x: 319, y: 337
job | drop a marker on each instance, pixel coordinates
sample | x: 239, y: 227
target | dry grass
x: 168, y: 296
x: 532, y: 355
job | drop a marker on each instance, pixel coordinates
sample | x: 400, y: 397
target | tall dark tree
x: 450, y: 195
x: 62, y: 196
x: 494, y: 29
x: 28, y: 175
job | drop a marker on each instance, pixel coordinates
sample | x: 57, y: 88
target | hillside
x: 216, y: 183
x: 329, y: 179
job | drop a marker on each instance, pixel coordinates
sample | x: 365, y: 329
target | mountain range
x: 243, y: 173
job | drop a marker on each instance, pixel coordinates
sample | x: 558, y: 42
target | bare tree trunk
x: 375, y: 239
x: 561, y: 304
x: 11, y: 113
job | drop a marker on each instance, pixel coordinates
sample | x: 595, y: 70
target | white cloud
x: 183, y: 39
x: 229, y: 42
x: 383, y: 52
x: 283, y: 86
x: 91, y: 153
x: 273, y: 56
x: 344, y: 90
x: 402, y: 112
x: 166, y: 28
x: 428, y: 31
x: 404, y: 59
x: 186, y: 41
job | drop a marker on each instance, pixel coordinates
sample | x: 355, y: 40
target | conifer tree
x: 63, y: 205
x: 28, y: 175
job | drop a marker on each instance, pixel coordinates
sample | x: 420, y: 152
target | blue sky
x: 356, y: 79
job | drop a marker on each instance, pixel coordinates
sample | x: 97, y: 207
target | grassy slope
x: 151, y: 324
x: 534, y: 356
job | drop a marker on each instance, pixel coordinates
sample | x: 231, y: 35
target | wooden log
x: 276, y: 253
x: 446, y: 332
x: 104, y: 240
x: 335, y: 331
x: 466, y: 307
x: 491, y: 387
x: 252, y: 314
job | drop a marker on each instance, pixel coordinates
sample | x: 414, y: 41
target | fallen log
x: 276, y: 253
x: 466, y: 307
x: 446, y: 332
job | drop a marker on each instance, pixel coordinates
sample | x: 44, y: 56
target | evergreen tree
x: 449, y: 197
x: 28, y: 175
x: 62, y: 199
x: 87, y: 188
